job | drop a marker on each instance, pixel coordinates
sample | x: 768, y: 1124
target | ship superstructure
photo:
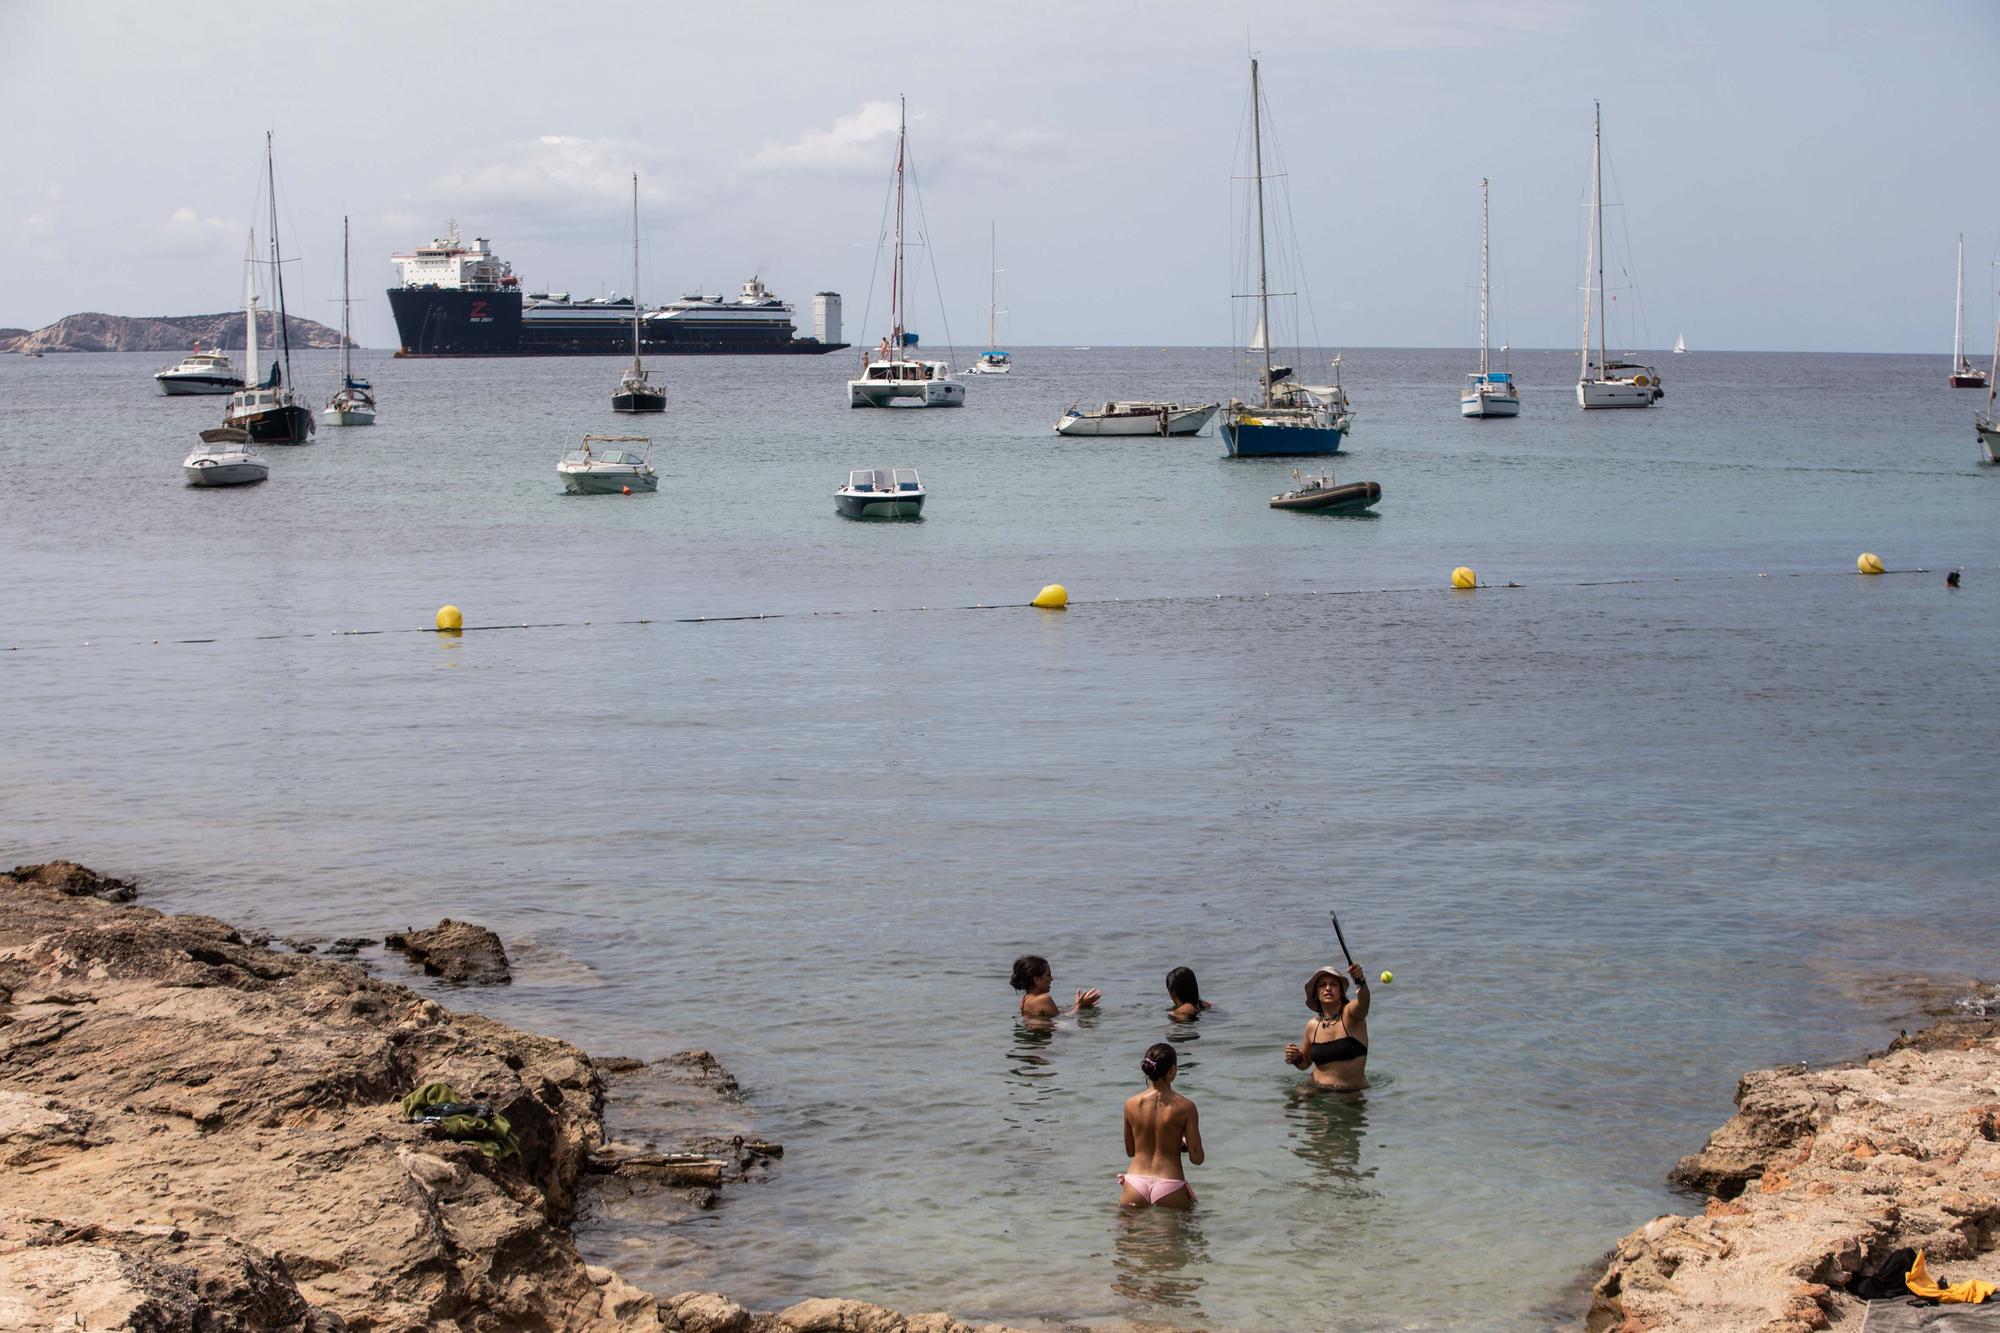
x: 456, y: 299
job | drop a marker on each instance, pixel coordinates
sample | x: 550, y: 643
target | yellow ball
x: 1869, y: 563
x: 449, y: 620
x: 1052, y: 598
x: 1388, y: 977
x: 1463, y: 577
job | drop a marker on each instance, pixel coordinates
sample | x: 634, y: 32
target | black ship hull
x: 278, y: 425
x: 444, y: 322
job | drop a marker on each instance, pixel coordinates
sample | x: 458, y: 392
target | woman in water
x: 1033, y: 978
x: 1335, y: 1044
x: 1160, y: 1125
x: 1185, y: 992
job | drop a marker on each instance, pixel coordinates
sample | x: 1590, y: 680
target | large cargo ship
x: 457, y: 299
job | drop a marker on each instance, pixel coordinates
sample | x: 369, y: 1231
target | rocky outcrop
x: 94, y: 332
x: 455, y: 951
x: 1818, y: 1176
x: 72, y: 880
x: 210, y: 1131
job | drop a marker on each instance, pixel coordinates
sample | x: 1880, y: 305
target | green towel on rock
x: 490, y: 1133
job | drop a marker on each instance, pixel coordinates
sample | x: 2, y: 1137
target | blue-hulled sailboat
x: 1288, y: 417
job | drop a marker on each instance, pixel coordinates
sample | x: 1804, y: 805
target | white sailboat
x: 1600, y: 381
x: 1988, y: 423
x: 993, y: 361
x: 1492, y: 392
x: 1288, y: 417
x: 1964, y: 375
x: 353, y: 403
x: 893, y: 375
x: 635, y: 393
x: 1680, y: 345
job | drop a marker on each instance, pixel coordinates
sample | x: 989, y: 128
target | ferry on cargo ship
x: 459, y: 299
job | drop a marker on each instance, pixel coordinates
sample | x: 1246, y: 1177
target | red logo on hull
x: 479, y: 315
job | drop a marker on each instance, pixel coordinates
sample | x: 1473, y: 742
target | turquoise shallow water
x: 1623, y: 832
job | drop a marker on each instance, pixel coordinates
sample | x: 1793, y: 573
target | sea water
x: 1691, y: 799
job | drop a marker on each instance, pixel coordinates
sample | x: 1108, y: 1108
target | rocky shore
x: 200, y: 1132
x: 1821, y: 1174
x: 95, y: 332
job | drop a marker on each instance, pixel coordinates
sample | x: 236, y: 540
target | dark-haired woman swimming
x: 1160, y: 1125
x: 1335, y: 1044
x: 1033, y: 978
x: 1185, y: 992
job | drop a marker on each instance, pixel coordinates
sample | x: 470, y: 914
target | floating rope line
x: 1430, y: 589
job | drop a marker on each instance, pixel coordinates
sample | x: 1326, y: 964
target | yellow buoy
x: 1052, y: 598
x: 1869, y: 563
x: 449, y: 620
x: 1463, y: 577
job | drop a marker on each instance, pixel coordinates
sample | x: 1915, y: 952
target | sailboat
x: 893, y: 374
x: 1288, y: 417
x: 1680, y: 345
x: 1988, y: 423
x: 1602, y: 382
x: 353, y: 403
x: 992, y: 361
x: 225, y: 456
x: 635, y: 393
x: 1492, y: 392
x: 269, y: 412
x: 1964, y: 375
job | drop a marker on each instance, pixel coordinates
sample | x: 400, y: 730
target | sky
x: 1789, y: 176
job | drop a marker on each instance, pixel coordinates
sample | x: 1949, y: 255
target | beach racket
x: 1342, y: 938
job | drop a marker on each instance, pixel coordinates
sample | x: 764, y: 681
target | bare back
x: 1159, y: 1126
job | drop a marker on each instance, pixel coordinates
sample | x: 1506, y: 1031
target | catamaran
x: 1288, y: 417
x: 353, y: 403
x: 893, y: 375
x: 635, y: 393
x: 1492, y: 392
x: 1964, y: 375
x: 1600, y: 381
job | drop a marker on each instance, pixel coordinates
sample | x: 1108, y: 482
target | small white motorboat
x: 881, y: 493
x: 224, y: 458
x: 604, y: 466
x: 198, y: 372
x: 1124, y: 418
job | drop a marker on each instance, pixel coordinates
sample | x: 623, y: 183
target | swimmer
x: 1160, y: 1125
x: 1033, y: 978
x: 1185, y: 992
x: 1335, y: 1044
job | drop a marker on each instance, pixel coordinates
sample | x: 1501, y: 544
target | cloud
x: 861, y: 143
x: 563, y: 183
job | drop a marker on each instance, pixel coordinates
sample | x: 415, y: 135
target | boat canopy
x: 1494, y: 377
x: 906, y: 479
x: 994, y: 355
x: 862, y: 479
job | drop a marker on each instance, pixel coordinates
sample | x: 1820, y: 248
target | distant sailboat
x: 1680, y: 345
x: 1492, y: 392
x: 268, y: 411
x: 1602, y: 382
x: 992, y: 361
x: 1964, y: 375
x: 353, y: 403
x: 635, y: 393
x: 1988, y: 425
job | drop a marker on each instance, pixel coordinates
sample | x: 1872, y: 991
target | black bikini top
x: 1335, y: 1051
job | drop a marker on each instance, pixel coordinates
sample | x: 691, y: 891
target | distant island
x: 93, y: 332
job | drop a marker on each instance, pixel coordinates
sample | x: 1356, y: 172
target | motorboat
x: 1134, y: 418
x: 224, y: 458
x: 1491, y: 392
x: 353, y: 403
x: 199, y: 372
x: 1288, y: 417
x: 636, y: 393
x: 881, y: 493
x: 605, y: 466
x: 1600, y: 381
x: 1325, y: 495
x: 895, y: 374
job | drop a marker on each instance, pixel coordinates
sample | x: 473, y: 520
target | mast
x: 1263, y: 270
x: 1593, y: 240
x: 277, y: 272
x: 993, y: 280
x: 896, y: 272
x: 635, y: 271
x: 1993, y: 375
x: 1484, y: 212
x: 346, y: 343
x: 1958, y: 333
x: 250, y: 312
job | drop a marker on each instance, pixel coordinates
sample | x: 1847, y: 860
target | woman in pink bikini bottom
x: 1160, y: 1125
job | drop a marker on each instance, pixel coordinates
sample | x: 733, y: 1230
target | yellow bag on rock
x: 1966, y: 1291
